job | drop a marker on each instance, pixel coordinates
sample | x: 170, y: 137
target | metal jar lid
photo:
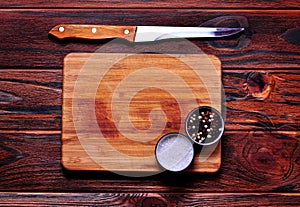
x: 204, y: 125
x: 174, y: 152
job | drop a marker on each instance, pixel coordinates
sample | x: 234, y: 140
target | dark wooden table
x: 261, y: 77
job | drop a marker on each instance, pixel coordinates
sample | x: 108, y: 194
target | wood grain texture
x: 30, y: 99
x: 262, y: 99
x: 149, y: 199
x: 152, y: 4
x: 270, y: 40
x: 251, y: 161
x: 136, y: 99
x: 252, y: 99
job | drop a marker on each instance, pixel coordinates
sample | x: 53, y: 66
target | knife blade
x: 138, y: 33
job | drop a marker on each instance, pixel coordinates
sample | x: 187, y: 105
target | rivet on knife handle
x: 93, y: 31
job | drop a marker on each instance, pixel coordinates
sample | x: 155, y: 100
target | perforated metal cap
x: 174, y: 152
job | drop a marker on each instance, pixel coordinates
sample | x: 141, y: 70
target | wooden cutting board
x: 117, y: 106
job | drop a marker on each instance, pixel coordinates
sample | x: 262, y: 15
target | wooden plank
x: 124, y: 91
x: 262, y: 99
x: 153, y: 4
x: 150, y: 199
x: 270, y: 40
x: 251, y: 161
x: 30, y: 99
x: 39, y: 105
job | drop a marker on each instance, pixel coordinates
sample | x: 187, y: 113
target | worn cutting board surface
x: 117, y: 106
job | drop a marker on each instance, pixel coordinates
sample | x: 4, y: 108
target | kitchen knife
x: 138, y: 33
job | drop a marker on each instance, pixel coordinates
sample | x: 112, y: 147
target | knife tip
x: 222, y: 32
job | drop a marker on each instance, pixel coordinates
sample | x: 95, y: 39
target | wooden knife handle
x: 93, y: 31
